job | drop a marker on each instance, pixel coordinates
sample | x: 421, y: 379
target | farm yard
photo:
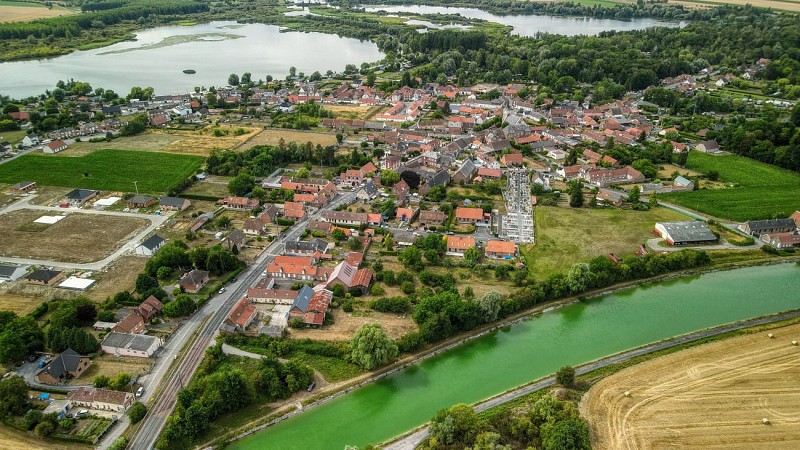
x: 710, y: 396
x: 760, y: 191
x: 272, y: 136
x: 110, y: 170
x: 565, y: 236
x: 78, y: 238
x: 25, y: 11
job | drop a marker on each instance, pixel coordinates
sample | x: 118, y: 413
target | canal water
x: 532, y: 349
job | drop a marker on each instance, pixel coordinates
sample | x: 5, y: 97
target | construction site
x: 516, y: 223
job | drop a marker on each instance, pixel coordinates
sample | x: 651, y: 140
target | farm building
x: 101, y: 399
x: 150, y: 307
x: 132, y: 323
x: 54, y: 147
x: 686, y: 233
x: 758, y: 227
x: 241, y: 316
x: 12, y: 273
x: 68, y: 364
x: 311, y: 306
x: 122, y: 344
x: 782, y: 240
x: 150, y: 245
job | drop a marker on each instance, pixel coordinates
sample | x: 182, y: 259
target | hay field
x: 78, y: 238
x: 11, y: 439
x: 20, y: 304
x: 785, y: 5
x: 711, y: 396
x: 23, y: 12
x: 272, y: 136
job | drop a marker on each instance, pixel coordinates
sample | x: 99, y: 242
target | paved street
x: 162, y: 385
x: 24, y: 203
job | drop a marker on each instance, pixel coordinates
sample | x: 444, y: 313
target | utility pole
x: 136, y: 183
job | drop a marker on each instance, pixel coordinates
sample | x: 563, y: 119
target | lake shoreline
x: 455, y: 341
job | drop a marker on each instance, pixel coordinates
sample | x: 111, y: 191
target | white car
x: 222, y: 290
x: 139, y: 391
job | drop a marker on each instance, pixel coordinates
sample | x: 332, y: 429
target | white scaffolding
x: 517, y: 224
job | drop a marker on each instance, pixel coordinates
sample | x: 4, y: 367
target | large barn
x: 686, y: 233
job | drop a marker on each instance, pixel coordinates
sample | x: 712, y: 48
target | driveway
x: 655, y: 244
x: 24, y: 203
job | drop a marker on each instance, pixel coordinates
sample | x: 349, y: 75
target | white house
x: 150, y: 246
x: 10, y: 272
x: 123, y: 344
x: 54, y: 147
x: 29, y: 141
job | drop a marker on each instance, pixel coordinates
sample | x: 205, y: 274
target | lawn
x: 759, y: 191
x: 565, y: 236
x: 110, y: 170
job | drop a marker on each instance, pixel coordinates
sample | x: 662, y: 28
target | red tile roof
x: 460, y: 242
x: 463, y: 212
x: 494, y: 246
x: 242, y: 314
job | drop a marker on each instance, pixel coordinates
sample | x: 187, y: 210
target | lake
x: 529, y: 25
x: 533, y: 349
x: 215, y: 50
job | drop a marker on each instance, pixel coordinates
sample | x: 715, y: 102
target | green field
x: 565, y: 236
x: 760, y: 191
x: 109, y: 170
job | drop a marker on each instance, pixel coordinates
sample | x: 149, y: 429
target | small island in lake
x: 189, y: 71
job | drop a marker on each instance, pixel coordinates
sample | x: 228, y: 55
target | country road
x: 410, y: 441
x: 198, y: 333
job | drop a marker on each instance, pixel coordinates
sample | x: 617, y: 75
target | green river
x: 532, y: 349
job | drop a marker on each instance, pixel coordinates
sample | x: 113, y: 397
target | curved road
x: 410, y: 441
x: 197, y: 334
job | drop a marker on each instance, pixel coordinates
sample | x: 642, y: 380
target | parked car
x: 311, y: 386
x: 222, y: 290
x: 81, y: 413
x: 139, y: 391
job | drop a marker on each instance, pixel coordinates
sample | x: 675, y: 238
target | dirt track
x: 711, y: 396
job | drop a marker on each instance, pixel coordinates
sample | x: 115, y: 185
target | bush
x: 407, y: 287
x: 44, y: 429
x: 120, y: 444
x: 348, y: 306
x: 396, y: 305
x: 297, y: 323
x: 410, y: 342
x: 376, y: 290
x: 566, y: 376
x: 137, y: 412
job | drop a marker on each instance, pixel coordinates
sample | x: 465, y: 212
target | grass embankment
x: 111, y: 170
x: 566, y: 236
x: 757, y: 190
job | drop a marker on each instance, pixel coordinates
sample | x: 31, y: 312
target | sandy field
x: 26, y: 13
x: 79, y: 238
x: 712, y: 396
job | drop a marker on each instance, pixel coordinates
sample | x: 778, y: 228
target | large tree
x: 371, y: 347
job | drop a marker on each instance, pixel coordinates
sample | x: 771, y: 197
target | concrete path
x: 24, y: 203
x: 409, y: 442
x: 229, y: 350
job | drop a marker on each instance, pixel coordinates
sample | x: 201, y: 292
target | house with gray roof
x: 368, y: 191
x: 758, y: 227
x: 78, y: 197
x: 123, y: 344
x: 173, y: 203
x: 686, y: 233
x: 150, y: 245
x: 10, y: 272
x: 307, y: 247
x: 465, y: 172
x: 69, y: 364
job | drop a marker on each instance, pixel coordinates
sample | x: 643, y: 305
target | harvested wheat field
x: 31, y: 11
x: 16, y: 440
x: 786, y: 5
x: 79, y: 238
x: 711, y: 396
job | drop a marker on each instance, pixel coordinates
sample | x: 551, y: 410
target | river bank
x: 416, y: 359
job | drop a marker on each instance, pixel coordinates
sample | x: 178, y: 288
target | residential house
x: 10, y: 272
x: 711, y: 146
x: 307, y: 247
x: 141, y: 201
x: 796, y: 217
x: 296, y: 268
x: 406, y: 214
x: 367, y: 192
x: 441, y: 178
x: 294, y: 210
x: 683, y: 183
x: 465, y: 172
x: 269, y: 214
x: 490, y: 174
x: 150, y: 245
x: 234, y: 241
x: 609, y: 197
x: 44, y: 277
x: 501, y: 249
x: 470, y: 215
x: 782, y: 240
x: 607, y: 177
x: 133, y: 323
x: 350, y: 277
x: 345, y: 217
x: 512, y: 159
x: 400, y: 191
x: 23, y: 186
x: 254, y: 227
x: 271, y: 296
x: 310, y: 306
x: 173, y: 203
x: 352, y: 177
x: 243, y: 314
x: 54, y: 146
x: 193, y: 281
x: 685, y: 233
x: 431, y: 218
x: 457, y: 245
x: 758, y: 227
x: 101, y: 399
x: 239, y: 203
x: 69, y: 364
x: 150, y: 307
x: 124, y: 344
x: 78, y: 197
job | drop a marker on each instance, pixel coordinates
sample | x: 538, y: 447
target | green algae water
x: 532, y: 349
